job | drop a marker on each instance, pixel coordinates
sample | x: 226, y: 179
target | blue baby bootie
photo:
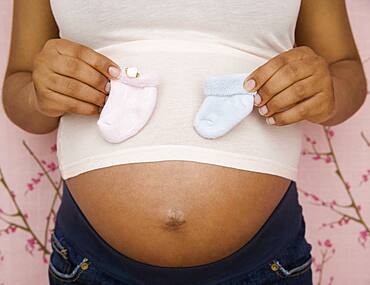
x: 226, y: 104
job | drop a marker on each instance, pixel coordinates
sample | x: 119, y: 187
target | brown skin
x: 69, y: 77
x: 184, y: 207
x: 48, y: 77
x: 322, y: 80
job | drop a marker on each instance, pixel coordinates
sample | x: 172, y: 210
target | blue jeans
x: 277, y: 254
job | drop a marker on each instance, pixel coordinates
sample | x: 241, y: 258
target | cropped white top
x: 184, y: 42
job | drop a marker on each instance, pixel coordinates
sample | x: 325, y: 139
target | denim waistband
x: 280, y: 228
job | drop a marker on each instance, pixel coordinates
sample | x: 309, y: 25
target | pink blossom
x: 43, y: 161
x: 36, y: 180
x: 308, y: 139
x: 31, y: 242
x: 1, y: 211
x: 44, y: 259
x: 328, y: 159
x: 29, y: 186
x: 314, y: 197
x: 364, y: 234
x: 328, y: 243
x: 53, y: 148
x: 30, y: 245
x: 365, y: 178
x: 316, y: 157
x: 331, y: 133
x: 52, y: 166
x: 313, y: 142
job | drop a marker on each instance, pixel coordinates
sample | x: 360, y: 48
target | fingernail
x: 114, y: 71
x: 250, y: 84
x: 107, y: 87
x: 263, y: 110
x: 257, y: 99
x: 270, y: 120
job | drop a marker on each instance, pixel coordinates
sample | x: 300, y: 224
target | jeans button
x: 84, y: 265
x: 274, y: 267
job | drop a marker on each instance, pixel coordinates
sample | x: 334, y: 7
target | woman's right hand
x: 71, y: 78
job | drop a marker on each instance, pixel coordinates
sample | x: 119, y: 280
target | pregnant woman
x: 168, y: 206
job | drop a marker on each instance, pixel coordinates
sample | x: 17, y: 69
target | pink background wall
x: 333, y: 184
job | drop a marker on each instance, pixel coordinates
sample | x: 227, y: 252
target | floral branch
x: 45, y: 172
x: 333, y: 205
x: 326, y: 251
x: 341, y: 177
x: 48, y: 218
x: 26, y: 227
x: 365, y: 139
x: 330, y: 157
x: 12, y: 226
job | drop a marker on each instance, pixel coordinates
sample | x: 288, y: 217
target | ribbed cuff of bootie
x: 226, y: 85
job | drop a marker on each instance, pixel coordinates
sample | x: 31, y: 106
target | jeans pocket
x: 287, y: 270
x: 64, y: 265
x: 295, y: 260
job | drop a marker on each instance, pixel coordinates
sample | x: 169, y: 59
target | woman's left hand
x: 293, y: 86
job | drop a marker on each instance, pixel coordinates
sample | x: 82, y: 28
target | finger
x: 62, y: 103
x: 77, y: 69
x: 76, y: 89
x: 96, y: 60
x: 263, y: 73
x: 303, y: 110
x: 286, y: 76
x: 290, y: 96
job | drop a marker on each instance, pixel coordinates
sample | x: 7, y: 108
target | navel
x: 175, y: 218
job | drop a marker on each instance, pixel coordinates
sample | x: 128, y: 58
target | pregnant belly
x: 176, y: 213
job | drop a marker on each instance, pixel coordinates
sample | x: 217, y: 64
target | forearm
x: 18, y: 98
x: 350, y: 89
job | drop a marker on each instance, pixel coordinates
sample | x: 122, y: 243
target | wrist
x: 332, y: 115
x: 33, y: 103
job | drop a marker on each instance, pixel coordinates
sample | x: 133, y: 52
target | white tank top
x: 184, y: 41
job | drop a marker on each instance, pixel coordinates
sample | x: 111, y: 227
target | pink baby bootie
x: 130, y: 104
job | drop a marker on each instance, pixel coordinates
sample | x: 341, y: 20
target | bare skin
x: 190, y: 214
x: 179, y: 213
